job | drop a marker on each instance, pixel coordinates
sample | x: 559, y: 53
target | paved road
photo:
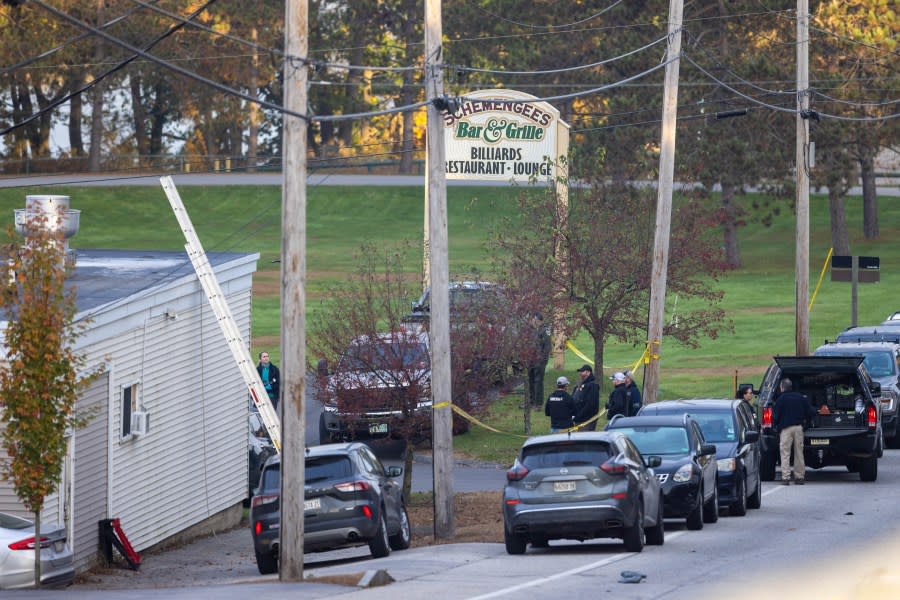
x: 834, y: 538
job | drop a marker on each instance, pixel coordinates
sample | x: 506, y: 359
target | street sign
x: 868, y: 269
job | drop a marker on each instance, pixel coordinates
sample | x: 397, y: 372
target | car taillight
x: 612, y: 468
x: 767, y: 417
x: 366, y: 511
x: 28, y: 544
x: 872, y: 416
x: 517, y: 472
x: 264, y: 499
x: 353, y: 486
x: 257, y: 529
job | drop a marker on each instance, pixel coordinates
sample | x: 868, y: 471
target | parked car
x: 17, y: 554
x: 688, y: 475
x: 881, y: 360
x: 871, y: 333
x: 892, y: 319
x: 846, y: 432
x: 731, y: 426
x: 260, y: 449
x: 464, y: 296
x: 350, y: 499
x: 381, y: 382
x: 581, y: 486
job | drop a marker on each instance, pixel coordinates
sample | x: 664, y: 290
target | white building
x: 166, y: 358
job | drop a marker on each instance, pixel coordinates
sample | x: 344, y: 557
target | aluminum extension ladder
x: 223, y: 315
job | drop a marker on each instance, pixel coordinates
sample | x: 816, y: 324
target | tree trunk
x: 408, y: 455
x: 253, y: 130
x: 870, y: 195
x: 139, y: 116
x: 76, y: 141
x: 729, y: 227
x: 37, y: 549
x: 97, y: 102
x: 598, y: 362
x: 839, y: 239
x: 408, y: 95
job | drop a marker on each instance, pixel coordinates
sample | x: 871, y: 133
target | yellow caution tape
x: 578, y: 352
x: 821, y: 275
x: 472, y: 419
x: 440, y: 405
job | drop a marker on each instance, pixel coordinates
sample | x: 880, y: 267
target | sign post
x: 855, y: 269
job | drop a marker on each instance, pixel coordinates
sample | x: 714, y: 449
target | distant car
x: 350, y: 498
x: 17, y: 554
x: 892, y: 319
x: 731, y: 426
x: 260, y: 449
x: 881, y: 360
x: 688, y: 474
x: 872, y: 333
x: 581, y: 486
x: 464, y: 296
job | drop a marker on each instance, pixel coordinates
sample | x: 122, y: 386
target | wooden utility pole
x: 657, y: 312
x: 802, y: 166
x: 293, y: 298
x: 439, y: 279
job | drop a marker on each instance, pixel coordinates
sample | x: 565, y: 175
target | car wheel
x: 515, y: 544
x: 868, y: 469
x: 324, y: 435
x: 656, y: 535
x: 738, y: 508
x: 266, y: 563
x: 634, y: 537
x: 755, y: 499
x: 401, y: 539
x: 379, y: 545
x: 767, y: 466
x: 711, y: 510
x: 695, y: 518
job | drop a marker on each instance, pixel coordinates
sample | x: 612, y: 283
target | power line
x: 579, y: 22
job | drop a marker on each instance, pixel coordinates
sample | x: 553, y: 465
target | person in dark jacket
x: 587, y: 399
x: 618, y: 397
x: 633, y: 393
x: 270, y: 376
x: 789, y: 415
x: 560, y: 407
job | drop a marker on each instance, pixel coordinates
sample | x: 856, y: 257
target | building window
x: 129, y: 405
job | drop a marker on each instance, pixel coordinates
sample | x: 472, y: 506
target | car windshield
x: 717, y: 426
x: 321, y: 468
x: 271, y: 480
x: 8, y: 521
x: 385, y: 356
x: 567, y: 454
x: 879, y: 363
x: 658, y: 440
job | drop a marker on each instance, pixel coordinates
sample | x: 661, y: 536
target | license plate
x: 314, y: 504
x: 818, y: 442
x: 378, y: 428
x: 563, y: 486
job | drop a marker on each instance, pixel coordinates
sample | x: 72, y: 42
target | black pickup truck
x: 847, y: 427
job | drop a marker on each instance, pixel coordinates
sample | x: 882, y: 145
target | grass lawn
x: 759, y: 297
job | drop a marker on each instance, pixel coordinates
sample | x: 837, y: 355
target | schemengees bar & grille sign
x: 503, y: 135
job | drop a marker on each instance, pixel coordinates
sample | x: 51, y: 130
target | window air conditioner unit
x: 140, y: 423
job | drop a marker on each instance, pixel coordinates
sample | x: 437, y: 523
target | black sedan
x: 731, y: 426
x: 350, y: 499
x: 581, y: 486
x: 687, y: 474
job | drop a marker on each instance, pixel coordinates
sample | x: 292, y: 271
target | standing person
x: 633, y: 393
x: 560, y: 407
x: 587, y: 399
x: 745, y: 393
x: 270, y: 376
x: 791, y: 411
x: 618, y: 397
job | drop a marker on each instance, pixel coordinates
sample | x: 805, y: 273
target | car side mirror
x: 394, y: 471
x: 751, y: 436
x: 653, y: 461
x: 706, y: 449
x: 875, y: 388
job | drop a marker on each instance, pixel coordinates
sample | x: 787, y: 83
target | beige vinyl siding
x: 90, y: 470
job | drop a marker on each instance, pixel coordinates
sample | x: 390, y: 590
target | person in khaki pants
x: 791, y: 411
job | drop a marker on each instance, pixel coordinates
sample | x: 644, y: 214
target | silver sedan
x: 17, y: 554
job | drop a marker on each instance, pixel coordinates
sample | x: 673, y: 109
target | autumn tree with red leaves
x: 41, y: 377
x: 607, y: 239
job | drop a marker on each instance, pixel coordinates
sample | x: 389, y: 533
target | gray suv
x: 881, y: 360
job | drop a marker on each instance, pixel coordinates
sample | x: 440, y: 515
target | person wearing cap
x: 587, y: 399
x: 560, y: 407
x: 618, y: 397
x: 633, y: 392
